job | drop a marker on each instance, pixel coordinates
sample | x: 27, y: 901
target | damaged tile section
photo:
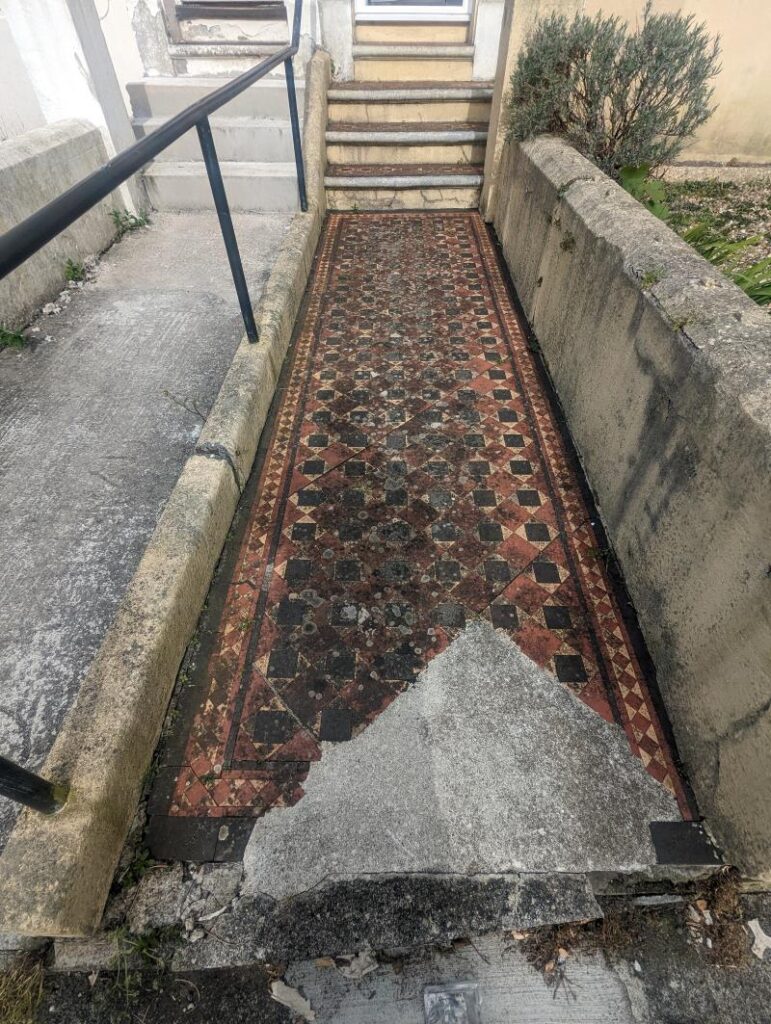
x: 414, y: 479
x: 487, y: 765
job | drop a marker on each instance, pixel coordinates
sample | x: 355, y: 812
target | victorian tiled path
x: 414, y: 474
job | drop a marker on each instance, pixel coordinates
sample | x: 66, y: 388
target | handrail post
x: 294, y: 118
x: 29, y: 789
x: 226, y: 226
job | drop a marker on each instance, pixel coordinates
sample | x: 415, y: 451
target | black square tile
x: 528, y: 498
x: 396, y: 497
x: 520, y: 467
x: 350, y: 531
x: 282, y: 663
x: 546, y: 572
x: 318, y: 441
x: 683, y: 842
x: 347, y: 569
x: 402, y: 664
x: 513, y: 440
x: 497, y: 571
x: 313, y: 467
x: 496, y: 374
x: 325, y: 394
x: 303, y: 531
x: 502, y: 394
x: 354, y: 438
x: 570, y: 668
x: 447, y: 571
x: 310, y: 497
x: 354, y: 467
x: 271, y: 727
x: 537, y: 531
x: 396, y: 440
x: 450, y: 615
x: 336, y: 725
x: 351, y: 497
x: 291, y: 613
x: 490, y: 531
x: 340, y: 664
x: 484, y: 499
x: 232, y: 837
x: 474, y: 440
x: 479, y: 468
x: 507, y: 416
x: 444, y: 531
x: 298, y: 570
x: 182, y: 838
x: 504, y: 616
x: 556, y: 616
x: 322, y: 417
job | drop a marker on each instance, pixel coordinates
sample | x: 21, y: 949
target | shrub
x: 621, y: 97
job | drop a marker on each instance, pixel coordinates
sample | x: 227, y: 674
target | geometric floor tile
x: 413, y: 476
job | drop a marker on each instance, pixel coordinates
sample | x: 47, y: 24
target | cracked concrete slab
x: 98, y: 415
x: 486, y: 765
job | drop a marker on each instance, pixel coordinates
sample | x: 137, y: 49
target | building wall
x: 740, y: 129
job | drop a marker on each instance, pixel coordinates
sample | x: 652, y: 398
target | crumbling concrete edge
x: 56, y: 872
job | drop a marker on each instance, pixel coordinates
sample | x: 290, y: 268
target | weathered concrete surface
x: 56, y: 873
x: 34, y: 169
x: 98, y: 417
x: 663, y: 368
x: 659, y: 977
x: 487, y: 765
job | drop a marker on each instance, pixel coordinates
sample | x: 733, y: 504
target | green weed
x: 74, y: 271
x: 11, y: 339
x: 126, y: 222
x: 21, y: 990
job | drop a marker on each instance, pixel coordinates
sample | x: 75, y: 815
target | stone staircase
x: 410, y: 131
x: 208, y: 43
x: 252, y: 135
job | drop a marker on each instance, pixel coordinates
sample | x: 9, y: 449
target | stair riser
x: 185, y: 192
x: 443, y: 198
x: 428, y: 153
x: 411, y: 32
x: 221, y: 67
x: 231, y: 30
x: 412, y: 69
x: 403, y: 111
x: 157, y: 98
x: 244, y: 143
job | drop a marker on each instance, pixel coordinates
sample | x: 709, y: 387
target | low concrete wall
x: 55, y: 873
x: 34, y: 169
x: 663, y: 368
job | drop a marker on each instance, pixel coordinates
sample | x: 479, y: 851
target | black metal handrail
x: 23, y: 240
x: 26, y: 238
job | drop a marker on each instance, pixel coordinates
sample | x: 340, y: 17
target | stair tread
x: 233, y: 167
x: 243, y: 121
x: 407, y: 126
x: 343, y: 87
x: 451, y: 50
x: 401, y: 170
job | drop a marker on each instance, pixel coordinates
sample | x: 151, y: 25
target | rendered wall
x: 740, y: 129
x: 663, y: 369
x: 34, y: 169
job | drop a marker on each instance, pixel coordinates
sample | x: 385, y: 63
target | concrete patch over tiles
x: 486, y: 765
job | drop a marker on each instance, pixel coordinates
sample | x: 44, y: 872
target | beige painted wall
x: 740, y: 129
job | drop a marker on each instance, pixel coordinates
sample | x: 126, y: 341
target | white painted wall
x: 488, y: 17
x: 19, y: 108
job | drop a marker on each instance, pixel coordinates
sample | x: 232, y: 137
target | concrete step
x: 399, y: 102
x: 241, y: 139
x: 184, y: 185
x: 222, y: 58
x: 395, y: 62
x: 426, y: 143
x: 396, y: 187
x: 163, y: 97
x: 411, y: 32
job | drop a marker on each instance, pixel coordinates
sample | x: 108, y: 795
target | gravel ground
x: 738, y: 210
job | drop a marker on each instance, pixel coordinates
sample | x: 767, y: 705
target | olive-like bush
x: 623, y: 97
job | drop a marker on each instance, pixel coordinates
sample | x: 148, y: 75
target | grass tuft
x: 21, y: 990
